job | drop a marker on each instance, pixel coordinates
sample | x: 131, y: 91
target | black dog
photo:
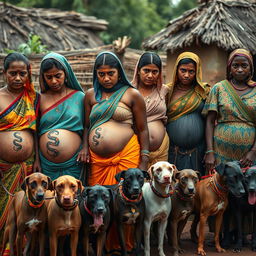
x: 129, y: 205
x: 242, y: 208
x: 95, y: 211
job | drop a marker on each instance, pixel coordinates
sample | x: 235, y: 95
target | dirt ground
x: 190, y: 247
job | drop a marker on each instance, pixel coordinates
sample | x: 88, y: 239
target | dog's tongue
x: 252, y: 198
x: 98, y: 220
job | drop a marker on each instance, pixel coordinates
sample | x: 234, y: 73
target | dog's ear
x: 198, y: 174
x: 85, y: 192
x: 220, y: 168
x: 146, y: 175
x: 120, y: 175
x: 50, y: 186
x: 54, y: 184
x: 79, y: 184
x: 177, y: 175
x: 24, y: 183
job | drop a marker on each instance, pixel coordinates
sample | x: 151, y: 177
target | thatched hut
x: 59, y: 30
x: 211, y: 30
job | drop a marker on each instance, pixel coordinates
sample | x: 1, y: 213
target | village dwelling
x: 211, y: 30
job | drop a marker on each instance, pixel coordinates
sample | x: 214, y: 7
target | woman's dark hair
x: 186, y: 61
x: 16, y: 56
x: 51, y: 63
x: 107, y: 59
x: 149, y: 58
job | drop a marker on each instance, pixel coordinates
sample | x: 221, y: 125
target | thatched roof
x: 229, y: 24
x: 59, y: 30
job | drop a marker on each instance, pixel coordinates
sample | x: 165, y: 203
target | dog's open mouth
x: 98, y: 220
x: 252, y: 198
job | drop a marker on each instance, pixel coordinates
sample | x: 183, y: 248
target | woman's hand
x: 83, y: 156
x: 37, y: 166
x: 209, y: 161
x: 248, y: 159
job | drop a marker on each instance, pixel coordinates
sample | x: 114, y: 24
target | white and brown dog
x: 157, y: 195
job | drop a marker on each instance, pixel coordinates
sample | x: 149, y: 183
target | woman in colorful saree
x: 232, y: 103
x: 18, y: 111
x: 148, y: 80
x: 62, y: 118
x: 116, y: 128
x: 185, y: 125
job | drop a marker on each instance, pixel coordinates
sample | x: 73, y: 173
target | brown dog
x: 211, y: 199
x: 182, y: 206
x: 28, y: 215
x: 63, y: 212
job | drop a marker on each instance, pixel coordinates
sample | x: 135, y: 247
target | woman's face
x: 186, y: 73
x: 55, y: 78
x: 149, y: 74
x: 16, y: 75
x: 240, y: 68
x: 107, y: 76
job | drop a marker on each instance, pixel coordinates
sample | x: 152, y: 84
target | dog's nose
x: 100, y: 210
x: 40, y: 196
x: 136, y: 190
x: 167, y: 178
x: 252, y: 189
x: 191, y: 190
x: 67, y: 199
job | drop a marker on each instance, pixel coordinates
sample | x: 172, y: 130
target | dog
x: 182, y: 206
x: 211, y: 198
x: 129, y: 205
x: 95, y: 212
x: 158, y: 202
x: 28, y: 215
x: 63, y: 213
x: 241, y: 208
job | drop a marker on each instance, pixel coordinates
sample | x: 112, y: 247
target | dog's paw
x: 219, y: 249
x: 201, y: 251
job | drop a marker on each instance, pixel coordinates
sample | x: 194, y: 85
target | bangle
x: 144, y: 154
x: 144, y: 151
x: 209, y: 151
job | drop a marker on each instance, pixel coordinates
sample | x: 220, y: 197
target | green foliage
x: 33, y: 45
x: 181, y: 7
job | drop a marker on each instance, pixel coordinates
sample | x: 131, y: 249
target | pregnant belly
x: 109, y: 138
x: 156, y: 134
x: 187, y: 131
x: 16, y: 146
x: 59, y: 145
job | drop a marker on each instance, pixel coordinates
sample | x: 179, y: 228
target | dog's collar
x: 138, y: 199
x: 68, y: 208
x: 183, y: 196
x: 220, y: 190
x: 32, y: 204
x: 87, y: 209
x: 160, y: 194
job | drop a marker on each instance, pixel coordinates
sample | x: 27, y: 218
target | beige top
x: 123, y: 114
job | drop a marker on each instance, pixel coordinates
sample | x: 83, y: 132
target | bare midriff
x: 59, y: 145
x: 16, y: 146
x: 110, y: 138
x: 156, y: 134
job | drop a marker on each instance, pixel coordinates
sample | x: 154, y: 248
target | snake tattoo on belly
x: 96, y: 136
x: 17, y: 146
x: 54, y: 142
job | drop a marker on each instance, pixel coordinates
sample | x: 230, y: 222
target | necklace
x: 147, y: 98
x: 237, y: 88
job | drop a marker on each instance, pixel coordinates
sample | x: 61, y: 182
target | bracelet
x: 144, y: 154
x: 209, y: 151
x: 144, y: 151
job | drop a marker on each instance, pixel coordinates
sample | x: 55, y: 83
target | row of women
x: 119, y: 124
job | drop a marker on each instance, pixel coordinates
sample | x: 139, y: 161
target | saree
x: 234, y: 133
x: 68, y: 114
x: 19, y: 115
x: 185, y: 125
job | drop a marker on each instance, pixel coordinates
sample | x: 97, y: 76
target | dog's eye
x: 60, y: 186
x: 44, y: 184
x: 73, y: 186
x: 33, y: 184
